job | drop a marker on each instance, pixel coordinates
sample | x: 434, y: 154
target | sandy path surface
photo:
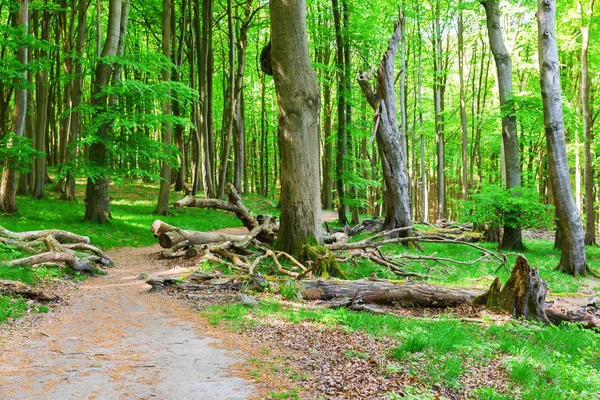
x: 117, y: 341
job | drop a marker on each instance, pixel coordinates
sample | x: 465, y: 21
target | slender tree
x: 162, y: 207
x: 512, y: 238
x: 584, y: 95
x: 97, y: 206
x: 298, y: 102
x: 8, y: 190
x: 572, y: 260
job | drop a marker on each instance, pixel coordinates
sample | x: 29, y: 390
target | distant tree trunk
x: 97, y: 207
x: 342, y: 139
x: 239, y: 131
x: 388, y: 138
x: 402, y: 88
x: 569, y: 221
x: 298, y: 101
x: 76, y: 88
x: 463, y: 111
x: 42, y: 89
x: 162, y: 207
x: 8, y: 189
x: 512, y: 235
x: 178, y: 57
x: 424, y: 191
x: 438, y: 100
x: 205, y: 85
x: 231, y: 106
x: 584, y: 93
x: 326, y: 199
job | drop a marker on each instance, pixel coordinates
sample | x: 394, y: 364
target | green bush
x: 496, y: 206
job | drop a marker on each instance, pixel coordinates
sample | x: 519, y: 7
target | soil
x: 112, y: 339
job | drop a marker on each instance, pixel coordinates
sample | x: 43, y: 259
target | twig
x: 279, y: 267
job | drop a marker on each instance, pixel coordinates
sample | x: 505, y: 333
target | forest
x: 420, y: 175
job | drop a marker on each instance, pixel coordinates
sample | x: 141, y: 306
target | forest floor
x: 112, y: 339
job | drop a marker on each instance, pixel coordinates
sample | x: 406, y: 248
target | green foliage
x: 495, y: 206
x: 18, y: 152
x: 290, y: 290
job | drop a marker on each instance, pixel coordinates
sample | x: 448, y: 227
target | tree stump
x: 523, y: 295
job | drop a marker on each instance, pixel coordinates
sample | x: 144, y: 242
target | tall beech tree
x: 573, y: 259
x: 97, y: 204
x: 512, y: 238
x: 584, y: 95
x: 298, y: 102
x: 8, y: 190
x: 162, y: 207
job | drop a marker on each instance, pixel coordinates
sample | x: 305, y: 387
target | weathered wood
x: 60, y: 235
x: 524, y: 294
x: 234, y: 204
x: 588, y: 315
x: 17, y: 288
x: 406, y: 294
x: 52, y: 256
x: 169, y: 239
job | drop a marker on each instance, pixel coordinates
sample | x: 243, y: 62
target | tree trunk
x: 584, y: 94
x: 463, y: 111
x: 205, y: 86
x: 298, y: 102
x: 512, y: 239
x: 326, y: 200
x: 97, y: 208
x: 569, y: 221
x: 41, y: 125
x: 438, y: 100
x: 342, y: 136
x: 162, y: 207
x: 8, y: 189
x: 389, y: 140
x: 76, y: 87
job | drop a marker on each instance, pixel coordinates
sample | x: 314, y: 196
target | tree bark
x: 584, y: 94
x: 389, y: 139
x: 573, y: 260
x: 97, y: 207
x: 41, y: 124
x: 162, y: 207
x: 438, y: 101
x: 342, y: 135
x: 463, y: 111
x: 8, y: 189
x: 512, y: 239
x: 298, y: 102
x: 76, y: 89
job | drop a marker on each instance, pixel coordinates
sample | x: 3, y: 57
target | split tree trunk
x: 568, y: 219
x: 389, y: 141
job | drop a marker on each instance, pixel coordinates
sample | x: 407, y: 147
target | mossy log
x: 406, y: 294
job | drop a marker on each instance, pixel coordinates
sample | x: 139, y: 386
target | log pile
x: 56, y: 247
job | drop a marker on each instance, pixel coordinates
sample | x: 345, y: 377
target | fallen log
x: 16, y: 288
x: 234, y: 204
x: 405, y: 294
x: 171, y: 238
x: 59, y: 253
x: 60, y: 235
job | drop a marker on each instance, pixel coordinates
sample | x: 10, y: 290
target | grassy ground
x: 542, y: 362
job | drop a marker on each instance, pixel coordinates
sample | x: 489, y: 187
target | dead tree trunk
x: 389, y: 141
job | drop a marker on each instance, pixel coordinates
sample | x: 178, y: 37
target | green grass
x: 12, y: 308
x: 541, y: 361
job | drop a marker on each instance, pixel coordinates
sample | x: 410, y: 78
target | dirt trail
x: 116, y: 341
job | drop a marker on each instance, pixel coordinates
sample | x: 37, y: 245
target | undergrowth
x: 539, y: 362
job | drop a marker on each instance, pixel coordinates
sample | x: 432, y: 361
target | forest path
x: 115, y: 340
